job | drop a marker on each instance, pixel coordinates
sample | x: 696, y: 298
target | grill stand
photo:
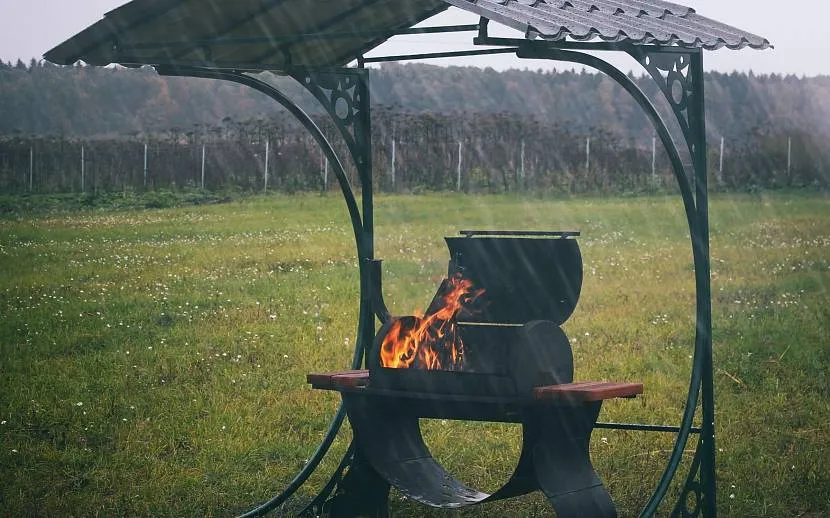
x: 699, y: 489
x: 361, y: 492
x: 390, y: 451
x: 562, y: 463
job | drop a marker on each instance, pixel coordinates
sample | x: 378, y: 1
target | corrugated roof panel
x: 637, y: 22
x: 655, y: 8
x: 727, y: 34
x: 256, y: 32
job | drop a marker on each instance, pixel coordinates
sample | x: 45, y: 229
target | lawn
x: 152, y: 362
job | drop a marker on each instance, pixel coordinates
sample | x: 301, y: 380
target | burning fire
x: 432, y: 341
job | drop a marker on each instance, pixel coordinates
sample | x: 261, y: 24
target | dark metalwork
x: 361, y: 491
x: 363, y: 237
x: 693, y: 487
x: 377, y: 41
x: 665, y: 38
x: 438, y: 29
x: 342, y: 92
x: 614, y: 21
x: 358, y: 225
x: 643, y: 427
x: 544, y: 51
x: 554, y: 455
x: 329, y: 91
x: 696, y: 208
x: 599, y: 46
x: 315, y: 507
x: 264, y: 7
x: 437, y: 55
x: 526, y: 233
x: 319, y: 28
x: 500, y: 362
x: 270, y: 40
x: 503, y: 366
x: 546, y: 285
x: 376, y: 286
x: 673, y: 75
x: 484, y: 39
x: 703, y: 490
x: 703, y: 276
x: 483, y: 23
x: 196, y: 64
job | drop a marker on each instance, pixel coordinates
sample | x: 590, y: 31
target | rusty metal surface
x: 276, y: 34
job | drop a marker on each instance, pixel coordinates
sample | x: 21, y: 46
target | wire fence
x: 411, y: 153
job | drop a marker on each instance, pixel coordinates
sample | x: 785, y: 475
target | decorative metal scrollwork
x: 673, y: 74
x: 690, y: 503
x: 342, y: 93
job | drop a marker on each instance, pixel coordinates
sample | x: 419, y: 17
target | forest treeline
x: 43, y: 99
x: 501, y: 131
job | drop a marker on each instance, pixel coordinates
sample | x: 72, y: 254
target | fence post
x: 82, y: 169
x: 145, y: 165
x: 393, y: 161
x: 789, y: 156
x: 458, y: 172
x: 522, y: 165
x: 324, y: 170
x: 720, y: 164
x: 31, y: 166
x: 203, y: 166
x: 653, y: 157
x: 265, y: 173
x: 588, y: 153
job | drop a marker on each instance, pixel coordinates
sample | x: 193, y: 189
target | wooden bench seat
x: 577, y: 392
x: 586, y: 391
x: 339, y: 379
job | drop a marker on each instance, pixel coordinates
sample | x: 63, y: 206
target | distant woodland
x: 451, y: 128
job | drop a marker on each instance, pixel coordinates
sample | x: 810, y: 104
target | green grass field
x: 152, y: 362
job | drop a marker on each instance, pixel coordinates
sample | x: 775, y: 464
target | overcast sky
x: 797, y: 28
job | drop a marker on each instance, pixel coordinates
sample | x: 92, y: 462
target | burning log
x: 430, y: 341
x: 497, y: 360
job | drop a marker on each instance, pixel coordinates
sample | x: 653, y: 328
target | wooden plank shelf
x: 572, y: 393
x: 586, y: 391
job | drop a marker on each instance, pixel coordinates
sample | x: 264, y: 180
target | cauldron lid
x: 525, y: 276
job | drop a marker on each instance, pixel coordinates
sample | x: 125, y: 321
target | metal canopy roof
x: 636, y: 22
x: 273, y: 34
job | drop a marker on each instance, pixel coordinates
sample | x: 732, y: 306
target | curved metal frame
x: 697, y: 218
x: 678, y: 72
x: 361, y: 226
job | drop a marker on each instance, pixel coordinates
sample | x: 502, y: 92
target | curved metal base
x: 390, y: 451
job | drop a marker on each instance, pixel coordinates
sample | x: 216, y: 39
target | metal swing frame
x: 677, y: 71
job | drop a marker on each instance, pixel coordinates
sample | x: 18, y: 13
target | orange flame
x: 432, y: 341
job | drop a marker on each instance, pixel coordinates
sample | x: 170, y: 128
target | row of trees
x: 473, y: 153
x: 43, y: 99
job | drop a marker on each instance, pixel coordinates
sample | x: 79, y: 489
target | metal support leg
x: 555, y: 458
x: 362, y: 492
x: 679, y: 75
x: 560, y: 451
